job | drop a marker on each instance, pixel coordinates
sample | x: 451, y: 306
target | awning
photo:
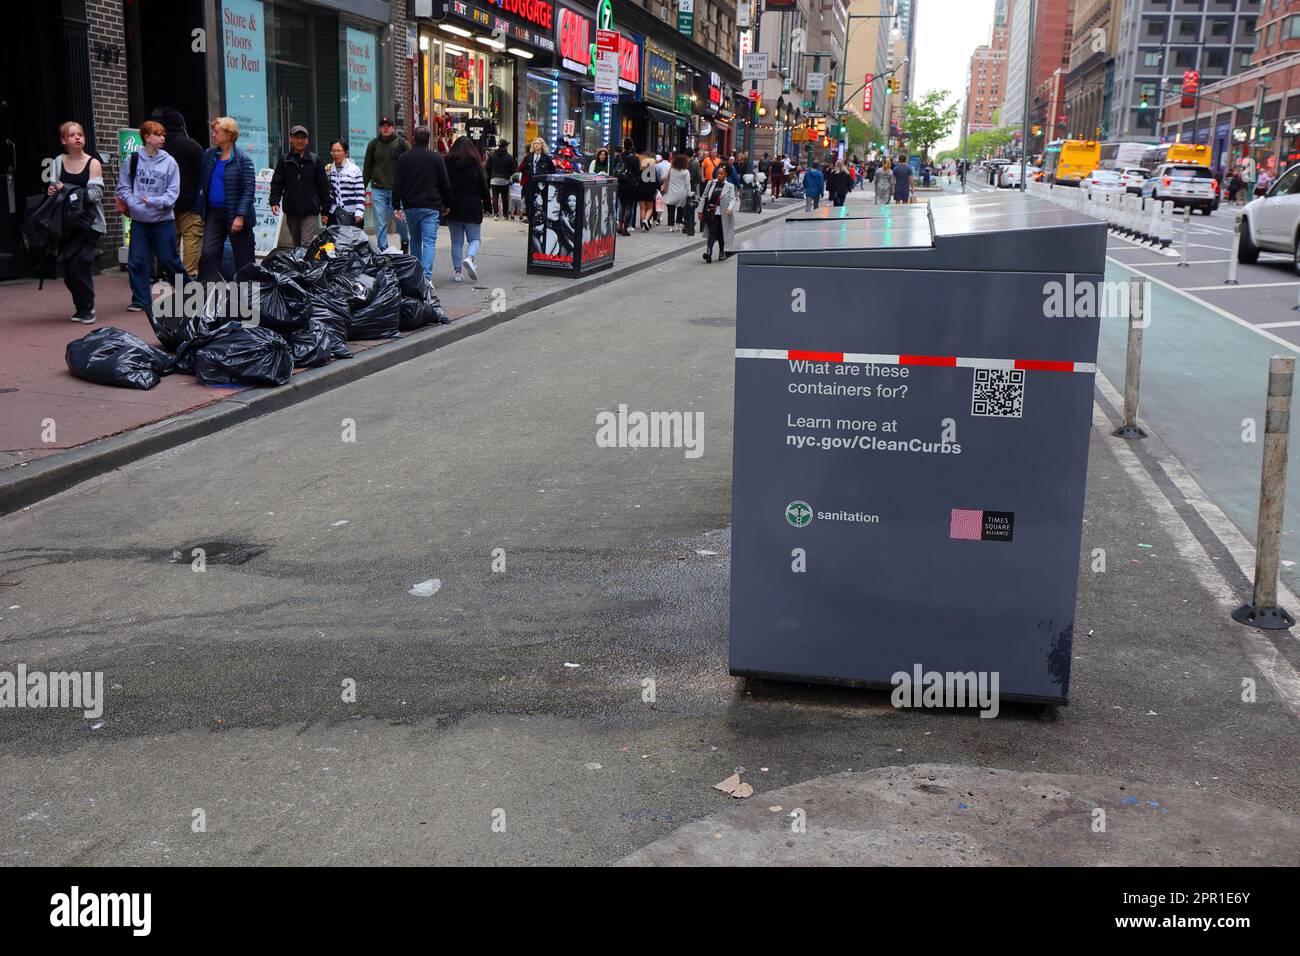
x: 662, y: 116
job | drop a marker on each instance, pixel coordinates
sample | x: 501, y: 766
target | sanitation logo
x: 799, y: 514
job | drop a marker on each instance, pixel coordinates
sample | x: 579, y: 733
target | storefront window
x: 541, y: 111
x: 460, y: 83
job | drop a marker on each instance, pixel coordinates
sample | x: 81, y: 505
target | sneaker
x: 85, y: 318
x: 457, y: 278
x: 496, y: 218
x: 135, y: 307
x: 470, y: 269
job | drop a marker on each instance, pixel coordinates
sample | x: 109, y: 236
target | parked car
x: 1133, y: 177
x: 1009, y: 176
x: 1272, y: 222
x: 1103, y: 181
x: 1184, y: 184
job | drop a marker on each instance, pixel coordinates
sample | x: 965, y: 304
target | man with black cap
x: 301, y: 183
x: 378, y: 172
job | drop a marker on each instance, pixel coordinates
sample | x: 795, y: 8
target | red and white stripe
x: 938, y: 361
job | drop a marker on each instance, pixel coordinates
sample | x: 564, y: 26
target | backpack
x: 41, y: 231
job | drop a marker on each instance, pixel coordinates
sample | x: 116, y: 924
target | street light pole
x: 1029, y: 80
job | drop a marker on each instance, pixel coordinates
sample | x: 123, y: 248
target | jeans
x: 149, y: 239
x: 78, y: 272
x: 382, y: 201
x: 460, y: 231
x: 216, y: 230
x: 422, y: 225
x: 811, y: 202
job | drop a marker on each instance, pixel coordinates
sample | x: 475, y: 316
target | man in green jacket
x: 379, y: 173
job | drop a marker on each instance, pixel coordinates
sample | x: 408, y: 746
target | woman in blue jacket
x: 225, y: 201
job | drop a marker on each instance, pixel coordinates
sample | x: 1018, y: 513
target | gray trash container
x: 911, y: 444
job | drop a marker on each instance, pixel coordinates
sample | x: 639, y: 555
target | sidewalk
x: 35, y: 385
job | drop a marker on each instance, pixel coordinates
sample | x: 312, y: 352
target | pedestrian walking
x: 421, y: 189
x: 708, y: 163
x: 884, y: 183
x: 348, y: 199
x: 840, y: 185
x: 301, y: 184
x: 601, y: 163
x: 647, y: 190
x: 188, y: 153
x: 469, y: 191
x: 80, y: 173
x: 627, y: 169
x: 1261, y: 185
x: 677, y: 189
x: 1235, y: 187
x: 517, y: 198
x: 718, y: 214
x: 695, y: 170
x: 147, y: 186
x: 225, y: 201
x: 902, y: 180
x: 501, y: 166
x: 378, y: 171
x: 776, y: 175
x: 814, y: 184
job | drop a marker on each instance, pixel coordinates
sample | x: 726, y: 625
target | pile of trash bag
x: 110, y: 356
x: 310, y: 301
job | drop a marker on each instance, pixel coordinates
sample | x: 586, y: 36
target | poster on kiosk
x: 571, y: 224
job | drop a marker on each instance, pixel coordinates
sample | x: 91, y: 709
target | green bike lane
x: 1203, y: 377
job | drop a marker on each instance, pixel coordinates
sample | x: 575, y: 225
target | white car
x: 1009, y: 176
x: 1103, y: 181
x: 1184, y: 184
x: 1134, y: 177
x: 1272, y: 222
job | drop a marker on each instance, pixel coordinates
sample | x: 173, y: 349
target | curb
x: 25, y: 485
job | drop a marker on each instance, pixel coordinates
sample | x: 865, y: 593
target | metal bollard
x: 1166, y: 224
x: 1262, y: 611
x: 1139, y: 319
x: 1187, y: 231
x: 1232, y: 256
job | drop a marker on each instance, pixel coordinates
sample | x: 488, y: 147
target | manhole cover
x: 724, y: 321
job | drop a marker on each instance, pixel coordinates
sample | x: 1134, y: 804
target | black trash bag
x: 359, y: 289
x: 240, y: 355
x: 332, y: 312
x: 283, y: 299
x: 410, y: 274
x: 313, y: 275
x: 416, y: 313
x: 199, y: 338
x: 312, y: 345
x: 334, y: 241
x: 286, y: 261
x: 175, y: 329
x: 431, y: 299
x: 379, y: 317
x: 110, y: 356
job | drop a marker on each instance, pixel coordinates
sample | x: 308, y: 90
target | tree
x: 929, y: 120
x: 861, y: 135
x: 987, y: 142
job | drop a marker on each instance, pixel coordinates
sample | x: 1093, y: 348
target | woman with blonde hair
x: 884, y: 183
x: 77, y: 168
x: 535, y: 164
x: 225, y: 201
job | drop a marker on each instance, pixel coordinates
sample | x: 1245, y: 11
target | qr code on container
x: 998, y: 393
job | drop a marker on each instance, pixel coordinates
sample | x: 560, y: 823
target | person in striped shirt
x: 349, y: 191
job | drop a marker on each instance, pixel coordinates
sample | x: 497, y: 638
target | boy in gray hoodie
x: 147, y: 187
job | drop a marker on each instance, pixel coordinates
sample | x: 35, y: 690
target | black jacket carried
x: 840, y: 185
x: 501, y: 164
x: 187, y: 152
x: 469, y: 190
x: 301, y: 185
x: 421, y: 180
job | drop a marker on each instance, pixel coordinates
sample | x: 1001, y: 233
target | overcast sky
x: 947, y: 33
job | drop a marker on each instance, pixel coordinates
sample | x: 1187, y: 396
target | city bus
x: 1197, y: 154
x: 1119, y: 155
x: 1066, y: 161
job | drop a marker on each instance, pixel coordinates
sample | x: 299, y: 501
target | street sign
x: 866, y: 93
x: 742, y: 15
x: 606, y: 80
x: 755, y: 66
x: 814, y: 114
x: 816, y: 82
x: 686, y: 17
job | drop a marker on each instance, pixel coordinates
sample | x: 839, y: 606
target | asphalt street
x: 518, y: 695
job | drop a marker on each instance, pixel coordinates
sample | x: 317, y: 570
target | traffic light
x: 830, y: 90
x: 1143, y: 104
x: 844, y: 130
x: 1191, y: 83
x: 889, y: 85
